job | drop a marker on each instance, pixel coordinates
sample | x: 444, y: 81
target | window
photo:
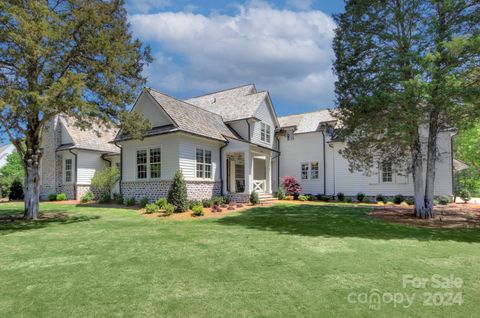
x: 304, y: 171
x: 314, y: 170
x: 204, y: 164
x: 387, y: 175
x: 265, y: 132
x: 155, y: 163
x: 141, y: 164
x: 68, y: 170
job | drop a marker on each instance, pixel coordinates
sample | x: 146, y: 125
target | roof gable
x: 307, y: 122
x: 149, y: 109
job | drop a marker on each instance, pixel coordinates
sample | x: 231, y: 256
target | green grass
x: 281, y: 261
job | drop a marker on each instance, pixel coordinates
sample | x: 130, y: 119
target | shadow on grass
x: 10, y: 223
x: 330, y: 221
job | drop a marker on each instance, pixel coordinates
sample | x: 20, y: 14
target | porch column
x: 232, y: 177
x: 248, y: 172
x: 268, y: 175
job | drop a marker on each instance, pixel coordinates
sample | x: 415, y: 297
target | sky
x: 282, y: 46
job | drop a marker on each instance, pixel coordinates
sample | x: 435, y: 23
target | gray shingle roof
x: 96, y: 138
x: 193, y: 119
x: 307, y: 122
x: 232, y: 104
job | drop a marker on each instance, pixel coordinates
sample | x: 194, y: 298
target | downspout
x: 324, y: 164
x: 249, y: 137
x: 278, y: 162
x: 75, y: 175
x: 221, y: 168
x: 105, y: 159
x: 121, y: 168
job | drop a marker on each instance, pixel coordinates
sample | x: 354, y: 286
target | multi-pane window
x: 314, y: 170
x: 155, y: 163
x: 204, y: 164
x: 304, y: 171
x: 387, y: 173
x: 265, y: 132
x: 68, y: 170
x: 141, y: 164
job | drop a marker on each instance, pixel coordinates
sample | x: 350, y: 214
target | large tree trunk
x: 431, y: 161
x: 32, y: 178
x: 418, y: 183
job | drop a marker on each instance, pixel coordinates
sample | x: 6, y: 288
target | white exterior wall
x: 88, y: 163
x: 169, y: 157
x: 149, y: 109
x: 187, y: 156
x: 241, y: 127
x: 263, y: 113
x: 66, y: 138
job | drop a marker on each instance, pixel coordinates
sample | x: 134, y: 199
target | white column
x: 232, y: 176
x: 224, y: 173
x: 268, y: 175
x: 248, y: 172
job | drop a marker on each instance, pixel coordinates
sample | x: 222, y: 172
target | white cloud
x: 286, y: 52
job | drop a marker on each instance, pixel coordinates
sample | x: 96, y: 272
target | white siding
x: 150, y: 110
x: 241, y: 127
x: 169, y: 147
x: 66, y: 138
x: 305, y: 148
x: 264, y: 114
x: 187, y: 156
x: 88, y: 164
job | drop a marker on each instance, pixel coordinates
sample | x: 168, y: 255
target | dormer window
x: 265, y: 132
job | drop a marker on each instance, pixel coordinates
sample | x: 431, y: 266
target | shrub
x: 130, y: 201
x: 218, y: 200
x: 340, y: 196
x: 325, y: 198
x: 309, y: 196
x: 348, y: 199
x: 161, y: 203
x: 104, y: 180
x: 216, y: 208
x: 169, y: 209
x: 254, y: 199
x: 52, y: 197
x: 105, y: 198
x: 444, y: 200
x: 410, y: 201
x: 227, y: 199
x: 302, y: 198
x: 151, y: 208
x: 87, y: 197
x: 291, y: 185
x: 16, y: 190
x: 197, y: 210
x: 367, y: 200
x: 404, y: 203
x: 118, y: 198
x: 435, y: 202
x: 390, y: 203
x: 143, y: 202
x: 360, y: 196
x: 193, y: 203
x: 464, y: 194
x: 380, y: 203
x: 380, y: 198
x: 470, y: 216
x: 177, y: 195
x: 280, y: 194
x: 239, y: 205
x: 207, y: 203
x: 399, y: 198
x: 61, y: 197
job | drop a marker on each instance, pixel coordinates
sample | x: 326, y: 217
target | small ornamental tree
x: 291, y: 185
x: 177, y: 195
x: 104, y: 180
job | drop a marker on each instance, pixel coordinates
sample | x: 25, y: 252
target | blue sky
x: 204, y: 46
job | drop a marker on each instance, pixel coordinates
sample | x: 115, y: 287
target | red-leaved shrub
x: 291, y: 185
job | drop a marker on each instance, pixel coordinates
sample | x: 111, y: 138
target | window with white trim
x: 204, y: 163
x: 387, y: 172
x: 304, y: 175
x: 142, y: 164
x: 265, y: 132
x: 155, y: 163
x: 68, y: 170
x: 314, y: 170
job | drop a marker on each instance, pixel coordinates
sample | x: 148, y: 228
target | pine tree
x: 177, y: 195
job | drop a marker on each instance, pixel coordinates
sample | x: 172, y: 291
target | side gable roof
x: 307, y: 122
x: 193, y: 119
x: 89, y: 139
x: 232, y: 104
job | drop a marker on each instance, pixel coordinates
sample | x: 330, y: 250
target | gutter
x: 221, y: 168
x: 109, y: 161
x: 76, y: 172
x: 121, y: 168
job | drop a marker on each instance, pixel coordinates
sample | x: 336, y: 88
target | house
x: 5, y: 150
x: 227, y: 142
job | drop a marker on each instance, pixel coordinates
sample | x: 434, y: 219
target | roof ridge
x: 222, y: 90
x: 314, y: 111
x: 208, y: 111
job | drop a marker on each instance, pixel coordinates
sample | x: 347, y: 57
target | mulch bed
x: 48, y: 216
x: 451, y: 216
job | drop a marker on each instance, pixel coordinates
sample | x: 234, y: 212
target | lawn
x: 280, y: 261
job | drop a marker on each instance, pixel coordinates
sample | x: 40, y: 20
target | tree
x: 72, y: 57
x: 467, y: 148
x: 12, y: 170
x: 291, y: 185
x: 390, y: 94
x: 177, y: 195
x: 104, y: 180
